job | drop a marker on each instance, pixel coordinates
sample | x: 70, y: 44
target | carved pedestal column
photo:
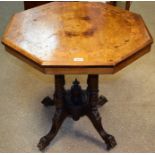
x: 76, y: 103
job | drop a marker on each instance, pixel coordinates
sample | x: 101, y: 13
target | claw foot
x: 43, y: 143
x: 110, y: 142
x: 47, y: 101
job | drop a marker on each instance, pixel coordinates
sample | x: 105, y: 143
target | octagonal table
x: 77, y: 38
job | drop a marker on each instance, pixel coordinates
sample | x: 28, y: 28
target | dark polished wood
x: 93, y: 113
x: 128, y: 4
x: 32, y: 4
x: 76, y: 103
x: 47, y: 101
x: 60, y: 113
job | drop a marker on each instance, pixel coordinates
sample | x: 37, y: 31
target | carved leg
x: 58, y: 119
x: 93, y: 113
x: 95, y: 118
x: 60, y: 113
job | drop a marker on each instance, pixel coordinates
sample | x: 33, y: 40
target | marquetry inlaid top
x: 77, y: 34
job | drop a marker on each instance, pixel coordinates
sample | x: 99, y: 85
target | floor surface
x: 129, y: 115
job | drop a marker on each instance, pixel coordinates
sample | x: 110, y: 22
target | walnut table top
x: 77, y: 37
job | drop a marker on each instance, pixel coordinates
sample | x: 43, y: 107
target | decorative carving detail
x: 110, y: 141
x: 76, y: 103
x: 76, y: 93
x: 58, y: 119
x: 95, y: 118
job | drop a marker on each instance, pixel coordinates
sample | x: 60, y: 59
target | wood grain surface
x: 77, y: 34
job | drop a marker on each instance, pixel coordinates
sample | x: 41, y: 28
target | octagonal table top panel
x: 76, y: 34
